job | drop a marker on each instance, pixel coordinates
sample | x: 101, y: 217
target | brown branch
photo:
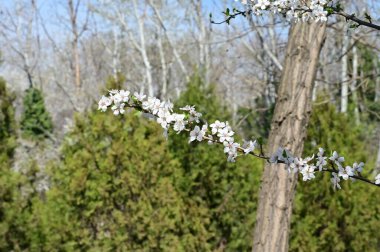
x: 359, y: 21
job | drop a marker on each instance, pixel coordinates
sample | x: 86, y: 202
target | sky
x: 54, y: 13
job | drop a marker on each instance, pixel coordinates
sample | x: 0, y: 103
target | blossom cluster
x: 221, y: 132
x: 307, y: 168
x: 295, y: 10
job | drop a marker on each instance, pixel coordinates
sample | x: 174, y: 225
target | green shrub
x: 35, y: 122
x: 343, y: 220
x: 227, y: 192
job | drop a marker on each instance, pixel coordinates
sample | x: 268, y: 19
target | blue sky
x: 50, y: 8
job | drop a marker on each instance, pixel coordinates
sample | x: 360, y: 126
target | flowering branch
x: 221, y: 133
x: 296, y: 11
x: 353, y: 18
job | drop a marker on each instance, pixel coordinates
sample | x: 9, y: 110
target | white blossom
x: 164, y: 118
x: 262, y: 4
x: 232, y: 154
x: 194, y: 115
x: 295, y: 10
x: 179, y: 122
x: 249, y: 147
x: 335, y: 181
x: 345, y: 173
x: 152, y: 104
x: 296, y: 165
x: 358, y: 167
x: 124, y: 95
x: 319, y: 13
x: 117, y: 98
x: 291, y: 15
x: 167, y: 105
x: 104, y: 103
x: 336, y: 158
x: 321, y: 159
x: 230, y: 147
x: 118, y: 108
x: 217, y: 126
x: 377, y: 179
x: 139, y: 96
x: 205, y: 128
x: 198, y: 133
x: 321, y: 152
x: 318, y: 3
x: 308, y: 172
x: 299, y: 164
x: 225, y: 135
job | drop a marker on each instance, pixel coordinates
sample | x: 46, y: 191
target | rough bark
x: 288, y: 130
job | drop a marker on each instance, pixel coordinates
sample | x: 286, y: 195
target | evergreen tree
x: 226, y: 191
x: 14, y: 202
x: 256, y: 122
x: 8, y: 180
x: 35, y: 122
x: 115, y: 190
x: 7, y: 124
x: 343, y: 220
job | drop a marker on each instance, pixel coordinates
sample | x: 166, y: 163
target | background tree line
x: 94, y: 168
x: 120, y: 185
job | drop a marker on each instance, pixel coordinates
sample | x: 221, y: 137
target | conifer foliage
x: 115, y: 186
x: 116, y: 190
x: 226, y: 191
x: 7, y: 124
x: 121, y: 186
x: 11, y: 234
x: 344, y: 220
x: 36, y: 122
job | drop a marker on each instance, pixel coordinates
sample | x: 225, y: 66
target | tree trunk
x: 143, y: 50
x: 344, y: 78
x: 164, y: 71
x: 74, y: 44
x: 377, y: 168
x: 76, y: 63
x: 115, y: 53
x: 377, y: 79
x: 288, y: 130
x: 355, y: 67
x: 203, y: 41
